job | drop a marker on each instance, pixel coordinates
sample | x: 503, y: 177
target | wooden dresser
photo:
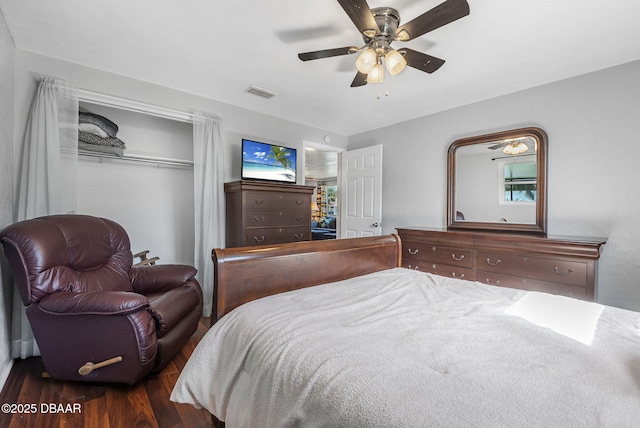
x: 553, y: 264
x: 260, y: 213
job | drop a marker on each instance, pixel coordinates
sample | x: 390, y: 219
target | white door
x: 361, y: 192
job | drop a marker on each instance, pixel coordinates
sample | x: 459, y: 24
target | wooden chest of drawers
x: 259, y: 213
x: 559, y: 265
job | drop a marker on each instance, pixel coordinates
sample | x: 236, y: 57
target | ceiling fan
x: 514, y: 146
x: 379, y: 28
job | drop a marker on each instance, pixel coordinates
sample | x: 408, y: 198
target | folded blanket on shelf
x: 92, y: 142
x: 110, y: 128
x: 88, y: 137
x: 110, y: 150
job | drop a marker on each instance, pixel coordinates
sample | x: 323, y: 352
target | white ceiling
x: 501, y: 47
x: 320, y: 164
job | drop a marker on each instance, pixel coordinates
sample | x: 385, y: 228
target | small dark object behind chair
x: 88, y: 305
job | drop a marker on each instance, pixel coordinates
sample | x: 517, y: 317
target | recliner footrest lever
x: 88, y: 367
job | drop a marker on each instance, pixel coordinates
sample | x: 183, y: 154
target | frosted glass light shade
x: 366, y: 61
x: 395, y: 62
x: 516, y: 148
x: 376, y: 75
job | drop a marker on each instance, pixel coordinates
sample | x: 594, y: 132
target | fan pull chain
x: 387, y: 83
x: 385, y: 79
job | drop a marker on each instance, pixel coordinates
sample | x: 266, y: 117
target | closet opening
x: 149, y: 188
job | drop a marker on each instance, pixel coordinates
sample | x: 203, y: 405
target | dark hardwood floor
x: 145, y: 404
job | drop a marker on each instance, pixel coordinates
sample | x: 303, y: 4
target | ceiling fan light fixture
x: 376, y: 75
x: 515, y: 148
x: 366, y: 61
x: 395, y: 62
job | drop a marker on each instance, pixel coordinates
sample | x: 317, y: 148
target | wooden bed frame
x: 247, y: 273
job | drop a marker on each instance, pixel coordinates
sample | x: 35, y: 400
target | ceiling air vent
x: 260, y: 92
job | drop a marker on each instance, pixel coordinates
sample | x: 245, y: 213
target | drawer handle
x: 557, y: 271
x: 566, y: 294
x: 453, y: 256
x: 412, y: 252
x: 259, y: 219
x: 492, y: 264
x: 298, y: 217
x: 489, y: 282
x: 260, y: 239
x: 299, y: 235
x: 453, y: 274
x: 414, y: 268
x: 259, y: 202
x: 299, y: 202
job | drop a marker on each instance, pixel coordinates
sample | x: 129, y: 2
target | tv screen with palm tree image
x: 263, y: 161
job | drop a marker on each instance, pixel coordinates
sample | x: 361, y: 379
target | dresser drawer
x: 276, y: 235
x: 439, y: 269
x: 550, y: 270
x: 438, y: 254
x: 275, y: 201
x: 510, y: 281
x: 277, y: 218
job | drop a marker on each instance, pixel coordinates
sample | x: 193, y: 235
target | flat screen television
x: 270, y: 162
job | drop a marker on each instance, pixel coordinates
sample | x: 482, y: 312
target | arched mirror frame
x: 540, y: 226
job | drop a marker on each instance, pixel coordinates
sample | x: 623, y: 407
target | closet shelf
x: 138, y: 158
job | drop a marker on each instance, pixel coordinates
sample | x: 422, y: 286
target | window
x: 518, y: 182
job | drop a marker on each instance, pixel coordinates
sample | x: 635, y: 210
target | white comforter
x: 408, y: 349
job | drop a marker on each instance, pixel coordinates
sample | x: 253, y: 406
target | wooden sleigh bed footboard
x: 247, y: 273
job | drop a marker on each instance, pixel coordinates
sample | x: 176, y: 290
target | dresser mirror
x: 498, y: 182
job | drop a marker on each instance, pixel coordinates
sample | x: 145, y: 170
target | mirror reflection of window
x: 518, y: 183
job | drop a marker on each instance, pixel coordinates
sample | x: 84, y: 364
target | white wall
x: 476, y: 178
x: 7, y: 52
x: 591, y: 122
x: 479, y: 187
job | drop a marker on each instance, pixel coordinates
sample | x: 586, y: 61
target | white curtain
x: 208, y: 175
x: 48, y: 177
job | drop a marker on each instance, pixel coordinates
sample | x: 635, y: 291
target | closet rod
x: 138, y: 158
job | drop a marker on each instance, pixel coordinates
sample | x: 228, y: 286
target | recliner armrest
x: 152, y: 279
x: 93, y: 303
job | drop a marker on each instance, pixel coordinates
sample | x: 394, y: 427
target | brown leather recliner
x: 86, y: 303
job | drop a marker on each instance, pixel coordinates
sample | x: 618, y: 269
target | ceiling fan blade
x: 497, y: 146
x: 360, y: 80
x: 327, y: 53
x: 360, y: 13
x: 421, y: 61
x: 440, y: 15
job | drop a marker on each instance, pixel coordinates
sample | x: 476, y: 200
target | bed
x: 335, y: 333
